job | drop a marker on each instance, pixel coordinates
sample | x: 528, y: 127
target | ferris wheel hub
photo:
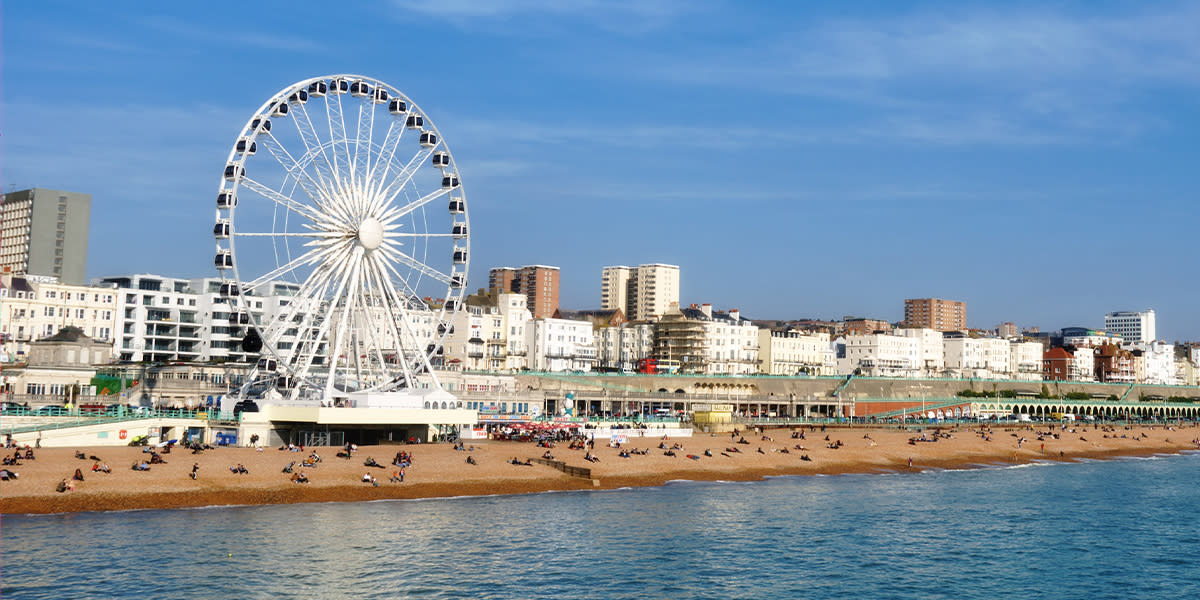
x: 370, y: 233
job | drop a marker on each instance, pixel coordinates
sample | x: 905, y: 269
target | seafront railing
x: 55, y: 422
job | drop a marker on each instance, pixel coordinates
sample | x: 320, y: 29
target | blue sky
x: 1035, y: 160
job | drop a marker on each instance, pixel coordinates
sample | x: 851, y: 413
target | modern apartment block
x: 934, y: 313
x: 171, y: 319
x: 643, y: 293
x: 538, y: 283
x: 34, y: 307
x: 1131, y: 326
x: 45, y: 232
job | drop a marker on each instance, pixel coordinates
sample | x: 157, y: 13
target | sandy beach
x: 438, y: 470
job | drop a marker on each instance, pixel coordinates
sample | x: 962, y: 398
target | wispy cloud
x: 234, y: 34
x: 632, y: 16
x: 1031, y: 78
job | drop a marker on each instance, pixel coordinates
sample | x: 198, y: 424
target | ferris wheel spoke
x: 313, y: 145
x: 399, y: 256
x: 407, y: 234
x: 343, y: 325
x: 308, y: 343
x: 312, y: 187
x: 387, y: 150
x: 393, y: 213
x: 396, y: 310
x: 337, y: 135
x: 308, y: 258
x: 279, y: 198
x: 380, y: 297
x: 362, y: 142
x: 313, y: 234
x: 404, y: 175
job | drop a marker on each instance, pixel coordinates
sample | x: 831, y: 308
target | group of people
x: 18, y: 456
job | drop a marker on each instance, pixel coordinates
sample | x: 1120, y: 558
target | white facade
x: 794, y: 352
x: 1025, y: 361
x: 1158, y: 362
x: 997, y: 354
x: 1132, y: 326
x: 620, y: 348
x: 34, y: 307
x: 932, y: 350
x: 489, y: 334
x: 730, y: 344
x: 966, y: 357
x: 881, y: 355
x: 560, y: 345
x: 1083, y: 365
x: 160, y: 319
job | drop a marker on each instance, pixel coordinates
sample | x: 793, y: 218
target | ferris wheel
x: 342, y: 241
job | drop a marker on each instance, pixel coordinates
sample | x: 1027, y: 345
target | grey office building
x: 45, y: 232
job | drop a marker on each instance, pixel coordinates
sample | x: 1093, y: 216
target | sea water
x: 1114, y: 529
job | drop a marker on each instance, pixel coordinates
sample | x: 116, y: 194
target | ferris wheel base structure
x: 434, y: 399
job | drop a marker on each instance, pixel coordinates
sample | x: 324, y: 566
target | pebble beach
x: 440, y: 470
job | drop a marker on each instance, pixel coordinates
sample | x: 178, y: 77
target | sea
x: 1124, y: 528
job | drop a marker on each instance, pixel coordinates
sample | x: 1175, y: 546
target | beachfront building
x: 794, y: 352
x: 159, y: 318
x: 643, y: 293
x: 488, y: 334
x: 1154, y: 362
x: 1187, y: 372
x: 1025, y: 361
x: 59, y: 370
x: 931, y: 348
x: 620, y: 348
x: 1114, y: 364
x: 34, y: 307
x: 731, y: 343
x: 997, y: 354
x: 1132, y: 326
x: 560, y: 345
x: 1073, y: 364
x: 679, y: 337
x: 966, y: 357
x: 879, y: 355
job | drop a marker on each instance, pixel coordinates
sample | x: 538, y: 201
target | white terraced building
x: 931, y: 350
x: 794, y: 352
x: 620, y: 348
x: 879, y: 355
x: 1025, y: 361
x: 33, y: 307
x: 560, y: 345
x: 488, y: 334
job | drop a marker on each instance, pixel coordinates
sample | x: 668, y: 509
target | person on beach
x: 78, y: 476
x: 195, y: 468
x: 470, y: 460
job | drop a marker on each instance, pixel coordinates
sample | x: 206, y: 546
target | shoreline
x: 440, y: 472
